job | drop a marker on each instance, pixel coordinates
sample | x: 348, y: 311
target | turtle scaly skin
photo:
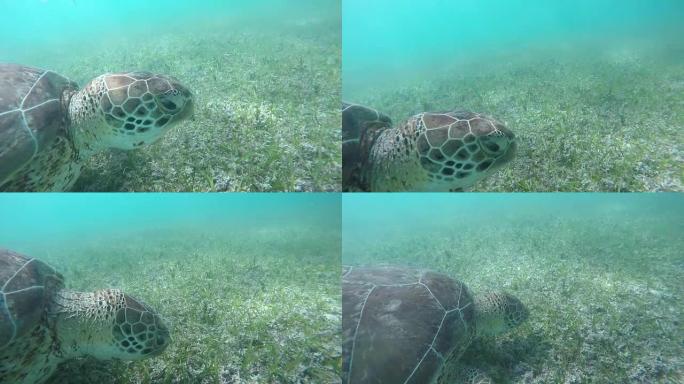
x: 362, y: 126
x: 446, y: 151
x: 137, y: 107
x: 48, y: 128
x: 42, y: 324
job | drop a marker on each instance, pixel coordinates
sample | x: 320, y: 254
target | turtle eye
x: 168, y: 104
x: 494, y: 143
x: 492, y: 147
x: 171, y: 101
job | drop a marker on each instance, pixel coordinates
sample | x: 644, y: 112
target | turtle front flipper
x: 360, y: 128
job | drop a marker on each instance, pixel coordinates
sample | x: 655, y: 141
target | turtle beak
x: 172, y: 101
x: 511, y: 149
x: 163, y: 339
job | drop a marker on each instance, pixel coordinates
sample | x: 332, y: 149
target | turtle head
x: 456, y: 149
x: 138, y: 332
x: 109, y: 324
x: 131, y: 109
x: 498, y: 312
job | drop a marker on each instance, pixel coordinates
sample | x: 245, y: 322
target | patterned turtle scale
x: 32, y: 114
x: 448, y: 143
x: 27, y: 287
x: 401, y: 324
x: 128, y: 105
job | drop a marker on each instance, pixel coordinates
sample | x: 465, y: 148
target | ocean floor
x: 266, y: 107
x: 604, y: 293
x: 243, y: 306
x: 588, y: 117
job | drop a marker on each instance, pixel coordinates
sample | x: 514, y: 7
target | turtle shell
x: 401, y: 324
x: 360, y: 127
x: 455, y: 145
x: 27, y: 286
x: 32, y: 113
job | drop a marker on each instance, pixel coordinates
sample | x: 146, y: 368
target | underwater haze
x: 600, y: 274
x: 594, y: 90
x: 265, y: 75
x: 249, y: 283
x: 30, y: 22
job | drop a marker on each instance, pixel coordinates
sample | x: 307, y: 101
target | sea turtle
x: 48, y: 127
x: 400, y: 325
x: 42, y: 324
x: 431, y: 151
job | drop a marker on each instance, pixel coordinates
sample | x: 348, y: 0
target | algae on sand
x: 265, y: 117
x: 248, y: 307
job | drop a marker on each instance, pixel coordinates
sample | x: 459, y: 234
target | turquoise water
x: 600, y: 273
x: 391, y: 40
x: 58, y: 33
x: 35, y: 222
x: 26, y: 25
x: 368, y: 218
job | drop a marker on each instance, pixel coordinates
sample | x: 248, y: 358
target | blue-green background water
x: 600, y: 273
x: 368, y: 218
x: 391, y: 40
x: 29, y: 222
x: 26, y: 25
